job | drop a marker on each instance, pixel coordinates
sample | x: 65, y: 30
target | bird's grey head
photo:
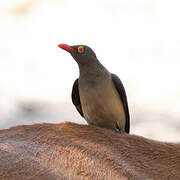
x: 82, y: 54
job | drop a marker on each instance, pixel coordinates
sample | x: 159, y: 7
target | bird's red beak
x: 66, y: 47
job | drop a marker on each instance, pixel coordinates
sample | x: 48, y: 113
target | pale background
x: 139, y: 40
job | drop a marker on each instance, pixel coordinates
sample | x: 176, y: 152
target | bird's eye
x: 80, y: 49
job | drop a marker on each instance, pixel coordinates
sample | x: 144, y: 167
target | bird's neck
x: 94, y: 68
x: 93, y: 73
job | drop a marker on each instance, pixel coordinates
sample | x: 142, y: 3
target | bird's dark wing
x: 122, y: 93
x: 75, y: 97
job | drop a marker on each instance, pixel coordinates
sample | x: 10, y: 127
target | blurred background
x: 139, y: 40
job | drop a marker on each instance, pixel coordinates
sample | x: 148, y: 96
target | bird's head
x: 82, y: 54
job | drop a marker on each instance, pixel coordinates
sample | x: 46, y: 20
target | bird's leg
x: 117, y: 129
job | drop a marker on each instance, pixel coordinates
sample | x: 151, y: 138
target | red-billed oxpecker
x: 98, y: 95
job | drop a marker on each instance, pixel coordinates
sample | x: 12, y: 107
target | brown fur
x: 72, y: 151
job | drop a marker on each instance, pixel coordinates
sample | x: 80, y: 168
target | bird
x: 98, y: 95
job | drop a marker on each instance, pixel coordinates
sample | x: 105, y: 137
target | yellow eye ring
x: 80, y: 49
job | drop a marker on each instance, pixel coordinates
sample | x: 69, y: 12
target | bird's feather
x: 76, y: 98
x: 122, y: 93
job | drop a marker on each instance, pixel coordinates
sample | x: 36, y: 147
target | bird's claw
x: 117, y: 129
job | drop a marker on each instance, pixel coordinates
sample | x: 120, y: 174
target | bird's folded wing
x: 76, y: 98
x: 122, y: 93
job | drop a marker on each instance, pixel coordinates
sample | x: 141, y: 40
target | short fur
x: 75, y: 152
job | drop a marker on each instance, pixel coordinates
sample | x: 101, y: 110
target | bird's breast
x: 102, y: 105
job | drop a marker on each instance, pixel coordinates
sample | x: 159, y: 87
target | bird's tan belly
x: 103, y: 109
